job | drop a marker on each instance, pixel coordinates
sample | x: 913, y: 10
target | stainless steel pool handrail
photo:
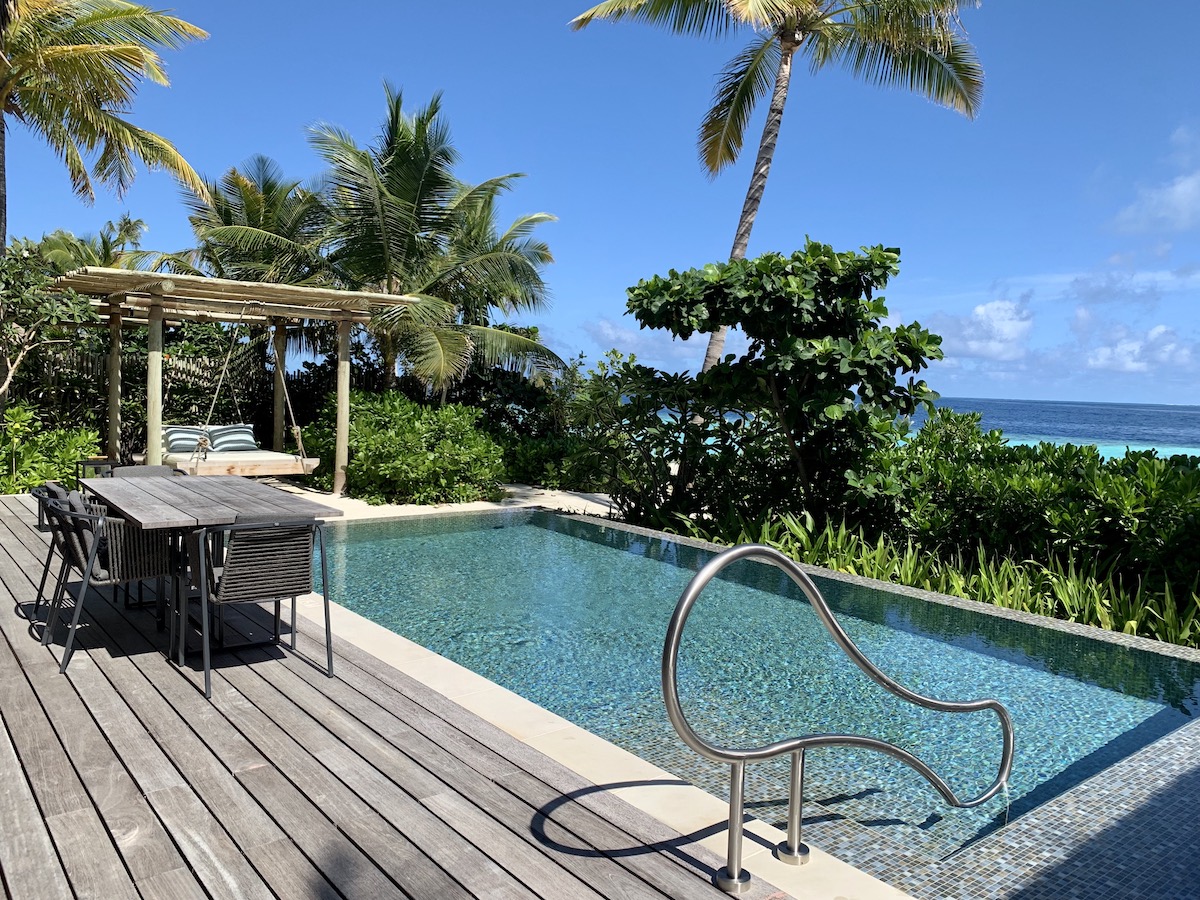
x: 732, y: 878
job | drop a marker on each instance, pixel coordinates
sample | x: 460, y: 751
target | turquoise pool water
x: 572, y: 616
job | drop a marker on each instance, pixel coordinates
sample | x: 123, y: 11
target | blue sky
x: 1053, y: 241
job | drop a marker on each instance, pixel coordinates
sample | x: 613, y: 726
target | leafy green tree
x: 69, y: 71
x: 784, y: 426
x: 401, y: 223
x: 31, y: 314
x: 916, y: 44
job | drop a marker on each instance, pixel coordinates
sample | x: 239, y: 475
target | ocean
x: 1112, y: 427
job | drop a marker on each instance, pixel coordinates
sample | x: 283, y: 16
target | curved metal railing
x: 732, y: 877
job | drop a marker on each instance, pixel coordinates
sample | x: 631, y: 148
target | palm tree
x: 69, y: 71
x: 401, y: 223
x: 115, y: 247
x: 916, y: 44
x: 255, y: 224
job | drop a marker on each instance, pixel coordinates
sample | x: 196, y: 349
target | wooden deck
x: 121, y: 780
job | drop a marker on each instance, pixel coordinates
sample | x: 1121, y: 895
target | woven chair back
x: 267, y: 563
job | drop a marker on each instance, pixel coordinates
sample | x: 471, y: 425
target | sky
x: 1053, y: 241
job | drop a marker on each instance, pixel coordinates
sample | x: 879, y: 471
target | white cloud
x: 1173, y: 207
x: 1159, y: 348
x: 997, y: 330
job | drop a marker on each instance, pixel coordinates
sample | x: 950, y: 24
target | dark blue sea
x: 1112, y: 427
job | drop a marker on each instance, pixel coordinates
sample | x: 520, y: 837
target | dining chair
x: 261, y: 562
x: 105, y: 551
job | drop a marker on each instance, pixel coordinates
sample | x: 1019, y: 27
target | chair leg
x: 295, y: 600
x: 55, y: 603
x: 204, y: 643
x: 45, y: 574
x: 83, y: 589
x: 325, y: 596
x: 328, y: 638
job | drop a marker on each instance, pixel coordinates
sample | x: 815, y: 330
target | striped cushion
x: 232, y: 437
x: 182, y: 438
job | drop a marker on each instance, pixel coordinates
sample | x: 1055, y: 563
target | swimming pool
x: 571, y: 615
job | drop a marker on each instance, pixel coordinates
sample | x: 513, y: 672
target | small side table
x: 94, y: 467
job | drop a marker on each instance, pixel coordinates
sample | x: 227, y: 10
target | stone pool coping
x: 1126, y: 831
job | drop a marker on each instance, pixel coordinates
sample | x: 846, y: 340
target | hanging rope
x: 224, y: 370
x: 287, y: 398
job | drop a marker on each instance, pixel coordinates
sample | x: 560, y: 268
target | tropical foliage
x: 915, y: 44
x: 401, y: 223
x: 402, y: 452
x: 954, y: 488
x: 70, y: 70
x: 32, y: 453
x: 1061, y: 587
x: 779, y: 428
x: 31, y: 315
x: 388, y: 218
x: 256, y: 224
x: 115, y: 246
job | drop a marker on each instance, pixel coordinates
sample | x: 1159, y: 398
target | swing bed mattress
x: 242, y: 462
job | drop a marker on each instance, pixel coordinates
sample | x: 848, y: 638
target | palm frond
x: 747, y: 79
x: 918, y: 45
x: 501, y: 347
x: 708, y: 18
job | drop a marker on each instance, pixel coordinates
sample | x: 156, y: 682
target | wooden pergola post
x: 114, y: 382
x: 154, y: 387
x: 341, y: 444
x: 279, y: 343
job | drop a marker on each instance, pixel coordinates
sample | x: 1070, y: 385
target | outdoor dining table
x: 187, y: 502
x: 182, y: 504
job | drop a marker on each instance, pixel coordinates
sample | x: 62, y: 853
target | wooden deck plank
x: 87, y: 852
x: 103, y: 736
x: 93, y: 756
x: 466, y: 863
x: 29, y: 867
x: 325, y: 700
x: 248, y: 823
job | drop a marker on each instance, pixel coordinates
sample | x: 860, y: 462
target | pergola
x: 125, y: 297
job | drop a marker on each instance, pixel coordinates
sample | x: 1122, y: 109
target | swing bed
x: 207, y: 456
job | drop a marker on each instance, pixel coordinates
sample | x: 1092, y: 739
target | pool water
x: 572, y: 616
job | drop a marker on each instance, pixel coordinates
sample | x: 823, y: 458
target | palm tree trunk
x: 3, y: 185
x: 758, y: 179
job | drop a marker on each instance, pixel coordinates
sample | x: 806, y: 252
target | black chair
x: 105, y: 551
x: 262, y: 562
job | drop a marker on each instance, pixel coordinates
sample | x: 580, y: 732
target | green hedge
x: 31, y: 454
x: 402, y: 452
x: 953, y: 488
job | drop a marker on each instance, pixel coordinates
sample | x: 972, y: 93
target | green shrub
x: 31, y: 454
x: 953, y: 488
x: 401, y: 452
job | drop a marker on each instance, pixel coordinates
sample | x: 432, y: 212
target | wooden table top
x: 194, y: 501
